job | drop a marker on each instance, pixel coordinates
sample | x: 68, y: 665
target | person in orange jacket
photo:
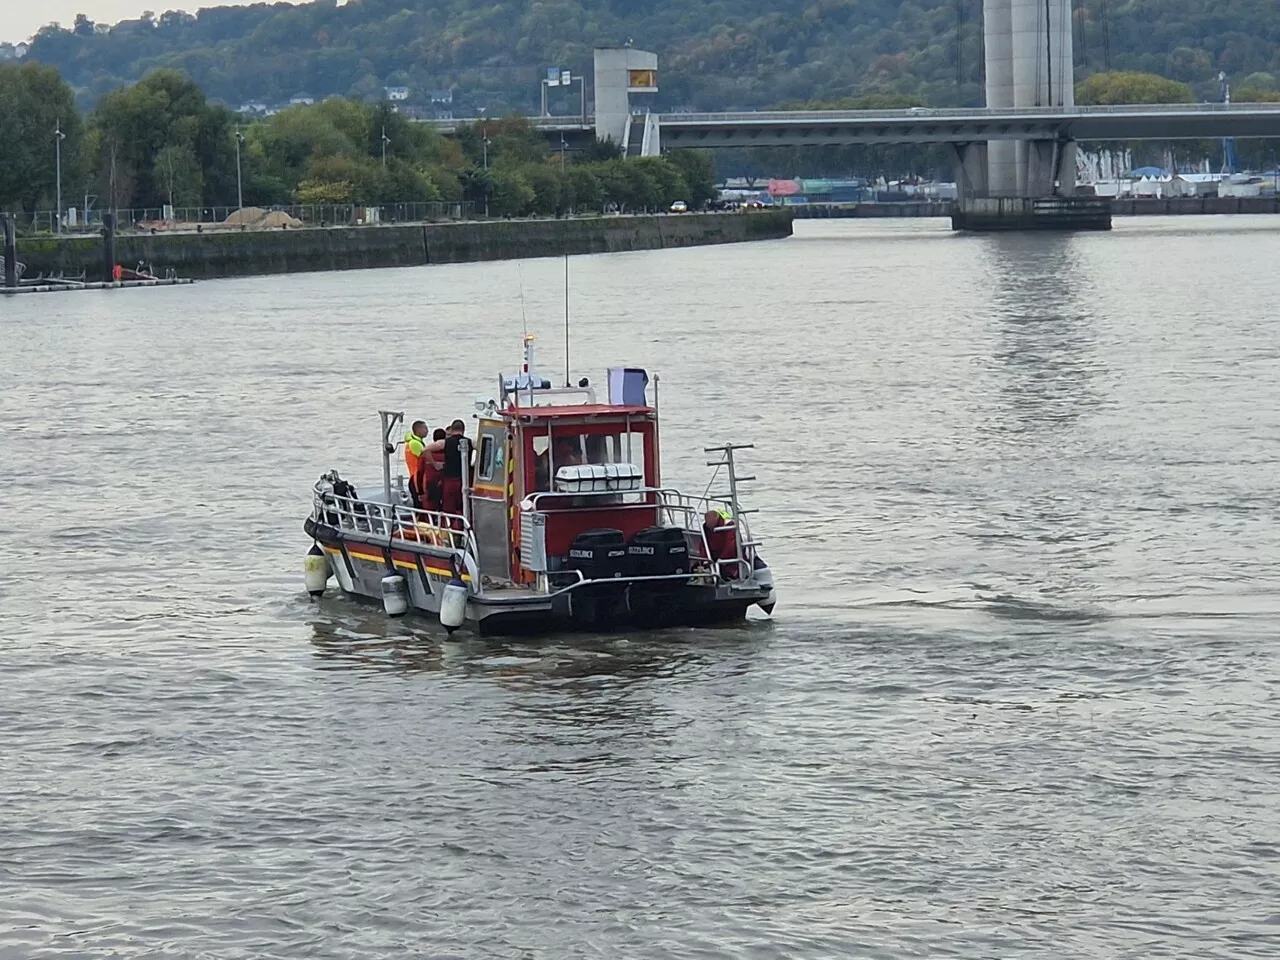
x: 415, y: 441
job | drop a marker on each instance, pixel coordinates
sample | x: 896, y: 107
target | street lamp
x: 385, y: 141
x: 239, y: 188
x: 58, y: 137
x: 484, y: 152
x: 563, y: 146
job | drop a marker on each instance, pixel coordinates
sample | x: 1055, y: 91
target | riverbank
x: 211, y: 254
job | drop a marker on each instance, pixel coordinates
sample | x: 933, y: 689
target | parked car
x: 679, y: 207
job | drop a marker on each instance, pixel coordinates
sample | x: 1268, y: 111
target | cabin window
x: 487, y: 459
x: 588, y: 443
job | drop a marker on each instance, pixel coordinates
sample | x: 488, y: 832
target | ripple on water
x: 1019, y: 698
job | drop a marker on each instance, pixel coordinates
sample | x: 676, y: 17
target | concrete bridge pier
x: 1046, y: 168
x: 971, y: 161
x: 1029, y: 184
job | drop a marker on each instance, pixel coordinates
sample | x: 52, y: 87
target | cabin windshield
x: 576, y: 443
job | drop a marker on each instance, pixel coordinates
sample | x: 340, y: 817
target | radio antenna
x: 566, y: 319
x: 524, y: 321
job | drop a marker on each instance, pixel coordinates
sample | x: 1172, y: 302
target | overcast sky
x: 21, y: 18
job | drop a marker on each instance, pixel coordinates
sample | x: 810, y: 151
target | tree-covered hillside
x: 714, y: 54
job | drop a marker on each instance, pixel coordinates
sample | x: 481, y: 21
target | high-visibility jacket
x: 413, y: 447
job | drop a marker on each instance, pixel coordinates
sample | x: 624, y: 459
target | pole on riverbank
x: 10, y: 253
x: 108, y: 247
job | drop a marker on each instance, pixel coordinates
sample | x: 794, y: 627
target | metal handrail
x: 679, y: 509
x: 926, y: 113
x: 390, y: 520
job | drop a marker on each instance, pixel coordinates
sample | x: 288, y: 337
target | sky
x: 22, y: 18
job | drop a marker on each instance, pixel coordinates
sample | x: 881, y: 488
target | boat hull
x: 359, y: 566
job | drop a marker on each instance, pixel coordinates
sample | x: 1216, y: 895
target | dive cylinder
x: 315, y: 570
x: 453, y: 603
x: 395, y: 595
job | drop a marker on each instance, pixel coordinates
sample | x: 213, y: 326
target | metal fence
x: 312, y: 215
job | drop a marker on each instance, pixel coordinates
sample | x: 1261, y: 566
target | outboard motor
x: 599, y: 554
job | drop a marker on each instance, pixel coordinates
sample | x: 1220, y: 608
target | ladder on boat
x: 728, y: 462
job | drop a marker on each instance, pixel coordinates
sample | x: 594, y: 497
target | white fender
x: 315, y: 570
x: 395, y: 595
x: 764, y: 577
x: 453, y: 605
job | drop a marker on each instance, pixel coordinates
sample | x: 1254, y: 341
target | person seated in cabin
x: 722, y: 541
x: 564, y: 451
x: 428, y: 479
x: 597, y: 449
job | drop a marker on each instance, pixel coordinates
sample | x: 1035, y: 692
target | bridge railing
x: 925, y: 113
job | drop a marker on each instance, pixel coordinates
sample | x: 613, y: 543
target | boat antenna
x: 524, y: 321
x: 566, y: 319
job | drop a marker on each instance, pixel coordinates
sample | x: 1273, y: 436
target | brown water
x: 1021, y: 498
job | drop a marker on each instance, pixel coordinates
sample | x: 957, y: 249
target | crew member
x: 722, y: 541
x: 415, y: 441
x: 428, y: 479
x: 451, y: 471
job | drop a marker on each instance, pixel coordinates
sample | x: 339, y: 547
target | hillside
x: 714, y: 54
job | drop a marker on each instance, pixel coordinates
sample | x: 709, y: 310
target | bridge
x: 925, y: 125
x: 1020, y: 146
x: 1189, y: 121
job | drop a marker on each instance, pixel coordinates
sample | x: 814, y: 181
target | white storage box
x: 599, y: 478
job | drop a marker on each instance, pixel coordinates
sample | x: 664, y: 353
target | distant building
x: 255, y: 107
x: 396, y: 93
x: 442, y: 96
x: 12, y: 51
x: 300, y: 99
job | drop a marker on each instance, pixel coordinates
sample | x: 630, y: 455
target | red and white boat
x: 565, y: 523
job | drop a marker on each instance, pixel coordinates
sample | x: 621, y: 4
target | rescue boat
x: 566, y: 522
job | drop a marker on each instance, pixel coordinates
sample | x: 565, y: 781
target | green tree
x: 1129, y: 87
x: 512, y: 195
x: 670, y: 185
x: 698, y: 170
x: 582, y: 189
x: 548, y: 188
x: 178, y: 174
x: 164, y: 109
x: 34, y: 101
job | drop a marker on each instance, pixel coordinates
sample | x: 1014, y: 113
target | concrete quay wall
x: 1191, y: 206
x: 227, y: 253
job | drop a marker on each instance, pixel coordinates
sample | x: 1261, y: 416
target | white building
x: 396, y: 93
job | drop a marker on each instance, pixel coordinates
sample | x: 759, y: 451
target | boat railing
x: 673, y: 509
x: 395, y: 522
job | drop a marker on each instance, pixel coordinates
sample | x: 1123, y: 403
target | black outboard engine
x: 658, y: 552
x: 599, y: 554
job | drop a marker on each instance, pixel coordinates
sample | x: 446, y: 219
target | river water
x: 1019, y: 696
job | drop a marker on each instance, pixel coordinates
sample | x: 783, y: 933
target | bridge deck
x: 945, y: 125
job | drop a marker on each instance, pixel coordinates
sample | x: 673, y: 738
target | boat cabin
x: 548, y: 469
